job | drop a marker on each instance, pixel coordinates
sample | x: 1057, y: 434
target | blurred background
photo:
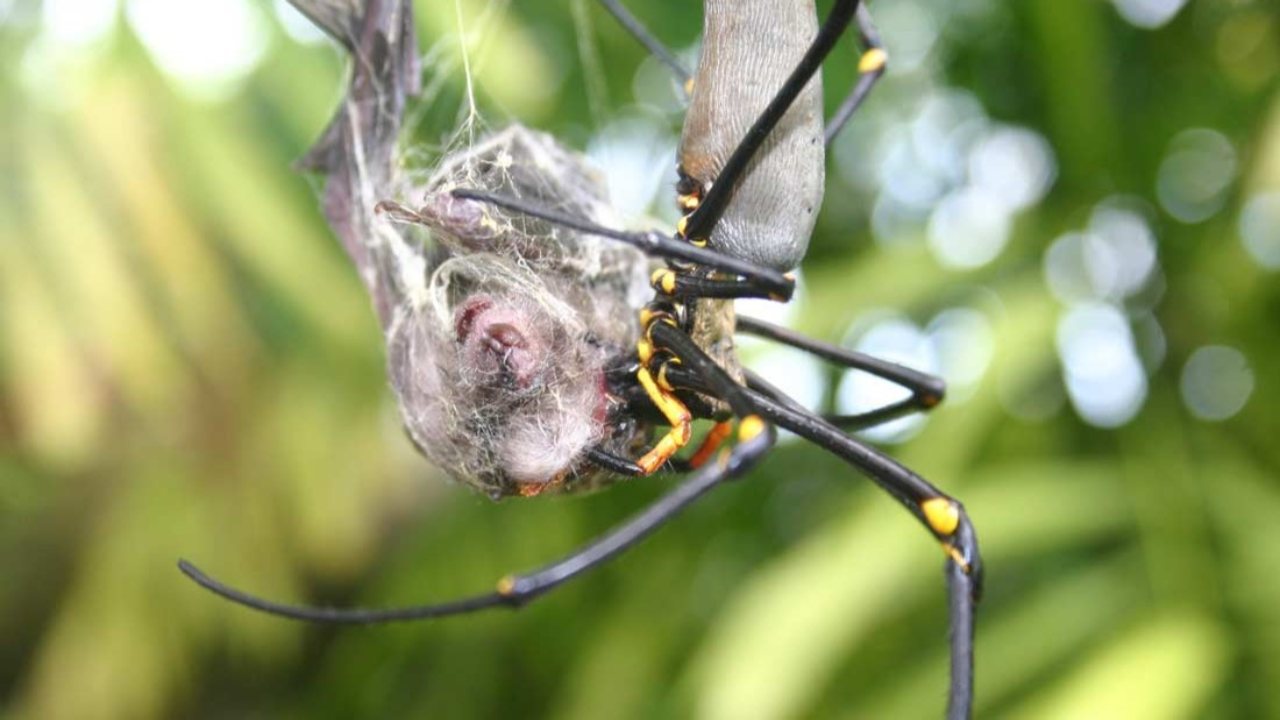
x: 1071, y: 210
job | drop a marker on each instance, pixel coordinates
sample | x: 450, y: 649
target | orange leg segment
x: 712, y: 442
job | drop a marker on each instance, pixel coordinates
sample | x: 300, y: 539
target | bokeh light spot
x: 797, y: 373
x: 969, y: 228
x: 207, y: 47
x: 964, y: 343
x: 634, y: 153
x: 1013, y: 164
x: 1120, y: 252
x: 1104, y: 377
x: 1149, y: 14
x: 1260, y: 229
x: 911, y: 30
x: 1195, y: 174
x: 905, y: 174
x: 1066, y: 269
x: 1216, y: 382
x: 77, y: 22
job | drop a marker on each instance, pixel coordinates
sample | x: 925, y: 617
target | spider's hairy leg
x: 926, y: 390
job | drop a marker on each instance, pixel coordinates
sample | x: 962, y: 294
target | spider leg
x: 861, y: 421
x: 926, y: 390
x: 666, y: 347
x: 871, y: 67
x: 516, y: 590
x: 943, y: 516
x: 756, y: 280
x: 681, y: 283
x: 755, y: 438
x: 614, y: 463
x: 649, y: 41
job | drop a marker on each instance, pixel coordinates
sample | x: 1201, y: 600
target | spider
x: 751, y: 168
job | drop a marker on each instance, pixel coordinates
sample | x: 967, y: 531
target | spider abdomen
x: 749, y: 48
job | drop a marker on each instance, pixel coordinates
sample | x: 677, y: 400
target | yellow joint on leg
x: 942, y: 515
x: 507, y: 585
x: 663, y: 279
x: 646, y: 317
x: 749, y: 427
x: 872, y: 60
x: 644, y: 349
x: 688, y: 203
x: 681, y: 224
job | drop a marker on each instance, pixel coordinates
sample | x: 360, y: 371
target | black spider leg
x: 757, y: 281
x: 648, y: 40
x: 943, y: 516
x: 606, y: 460
x: 755, y: 439
x: 871, y: 67
x: 922, y: 499
x: 926, y: 390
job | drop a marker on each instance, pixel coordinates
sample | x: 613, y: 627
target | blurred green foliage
x: 189, y: 367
